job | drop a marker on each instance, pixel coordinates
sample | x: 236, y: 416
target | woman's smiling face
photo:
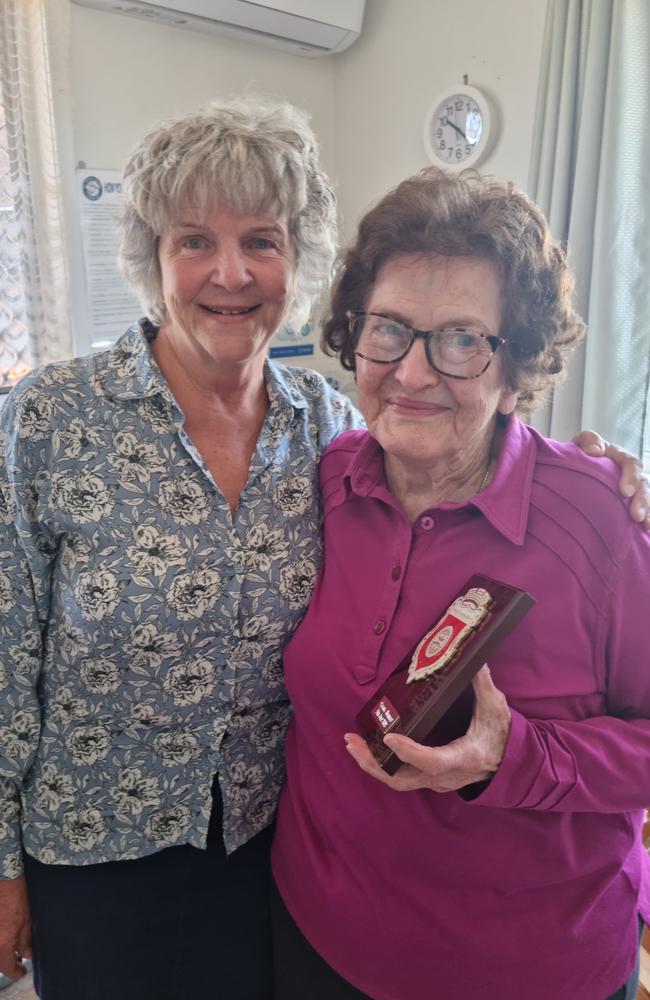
x: 227, y: 283
x: 418, y: 416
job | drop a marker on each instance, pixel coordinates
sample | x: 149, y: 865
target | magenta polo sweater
x: 533, y: 888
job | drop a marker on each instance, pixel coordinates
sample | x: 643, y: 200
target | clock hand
x: 455, y: 127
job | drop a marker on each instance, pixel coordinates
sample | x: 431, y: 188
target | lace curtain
x: 590, y: 174
x: 35, y: 324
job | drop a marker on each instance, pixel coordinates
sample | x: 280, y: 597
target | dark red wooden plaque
x: 429, y: 697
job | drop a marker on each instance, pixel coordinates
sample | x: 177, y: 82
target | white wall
x: 367, y: 104
x: 409, y: 52
x: 128, y: 74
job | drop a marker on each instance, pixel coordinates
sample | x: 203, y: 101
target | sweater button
x: 379, y: 626
x: 427, y: 522
x: 396, y: 572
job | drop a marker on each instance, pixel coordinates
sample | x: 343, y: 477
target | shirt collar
x: 128, y: 370
x: 365, y: 471
x: 281, y: 386
x: 505, y: 501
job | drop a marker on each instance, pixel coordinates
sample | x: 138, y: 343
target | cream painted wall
x: 410, y: 50
x: 128, y: 74
x: 367, y: 104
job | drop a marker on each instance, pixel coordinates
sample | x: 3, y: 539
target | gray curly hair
x: 256, y: 153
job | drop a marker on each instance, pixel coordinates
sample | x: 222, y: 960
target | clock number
x: 458, y: 154
x: 449, y: 109
x: 468, y: 150
x: 459, y: 105
x: 439, y: 133
x: 442, y: 144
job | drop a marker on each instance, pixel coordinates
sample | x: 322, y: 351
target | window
x: 34, y: 304
x: 15, y: 351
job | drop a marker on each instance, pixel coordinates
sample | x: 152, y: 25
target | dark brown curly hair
x: 468, y: 215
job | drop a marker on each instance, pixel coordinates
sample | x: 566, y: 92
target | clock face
x: 456, y: 129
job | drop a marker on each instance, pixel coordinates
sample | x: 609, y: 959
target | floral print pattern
x: 142, y: 626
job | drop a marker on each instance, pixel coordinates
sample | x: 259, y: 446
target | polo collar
x: 504, y: 503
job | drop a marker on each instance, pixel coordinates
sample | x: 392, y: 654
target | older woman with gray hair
x: 162, y: 537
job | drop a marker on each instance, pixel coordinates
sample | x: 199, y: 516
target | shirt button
x: 379, y: 626
x: 396, y: 572
x: 427, y: 522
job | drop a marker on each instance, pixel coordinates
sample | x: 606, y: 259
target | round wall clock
x: 458, y: 130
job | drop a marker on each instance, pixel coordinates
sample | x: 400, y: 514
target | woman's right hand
x: 15, y: 927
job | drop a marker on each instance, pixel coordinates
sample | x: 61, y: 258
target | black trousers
x: 181, y: 924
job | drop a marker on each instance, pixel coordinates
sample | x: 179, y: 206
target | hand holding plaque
x: 429, y: 696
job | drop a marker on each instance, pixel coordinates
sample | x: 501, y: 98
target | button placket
x: 365, y: 670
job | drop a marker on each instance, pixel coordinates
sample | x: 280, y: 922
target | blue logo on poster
x: 92, y: 188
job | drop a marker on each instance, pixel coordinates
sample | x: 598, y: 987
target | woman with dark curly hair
x: 514, y: 866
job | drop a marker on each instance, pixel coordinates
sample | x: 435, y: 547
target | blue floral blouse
x: 141, y: 625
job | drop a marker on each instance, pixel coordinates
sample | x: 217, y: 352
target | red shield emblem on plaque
x: 440, y: 644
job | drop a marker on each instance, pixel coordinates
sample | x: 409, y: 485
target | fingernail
x: 628, y: 489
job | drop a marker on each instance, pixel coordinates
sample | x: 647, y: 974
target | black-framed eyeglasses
x: 458, y: 352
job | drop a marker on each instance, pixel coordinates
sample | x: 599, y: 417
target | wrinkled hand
x: 632, y: 482
x: 15, y: 927
x: 473, y: 757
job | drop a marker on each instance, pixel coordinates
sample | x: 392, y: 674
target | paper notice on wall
x: 112, y: 306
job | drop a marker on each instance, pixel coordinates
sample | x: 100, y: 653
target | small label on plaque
x: 385, y: 714
x: 441, y: 643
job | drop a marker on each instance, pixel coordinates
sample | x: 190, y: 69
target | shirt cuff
x: 523, y: 759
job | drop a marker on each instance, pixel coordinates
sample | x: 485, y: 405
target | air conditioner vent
x: 306, y: 27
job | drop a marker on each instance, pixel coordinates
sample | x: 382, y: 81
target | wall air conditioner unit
x: 303, y: 27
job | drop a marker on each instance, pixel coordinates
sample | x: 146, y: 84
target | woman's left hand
x: 632, y: 482
x: 473, y: 757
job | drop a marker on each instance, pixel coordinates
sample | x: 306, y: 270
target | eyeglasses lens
x: 461, y: 353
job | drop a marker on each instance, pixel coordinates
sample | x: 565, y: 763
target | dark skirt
x: 181, y: 924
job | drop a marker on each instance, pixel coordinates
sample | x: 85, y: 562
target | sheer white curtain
x: 35, y: 321
x: 590, y: 174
